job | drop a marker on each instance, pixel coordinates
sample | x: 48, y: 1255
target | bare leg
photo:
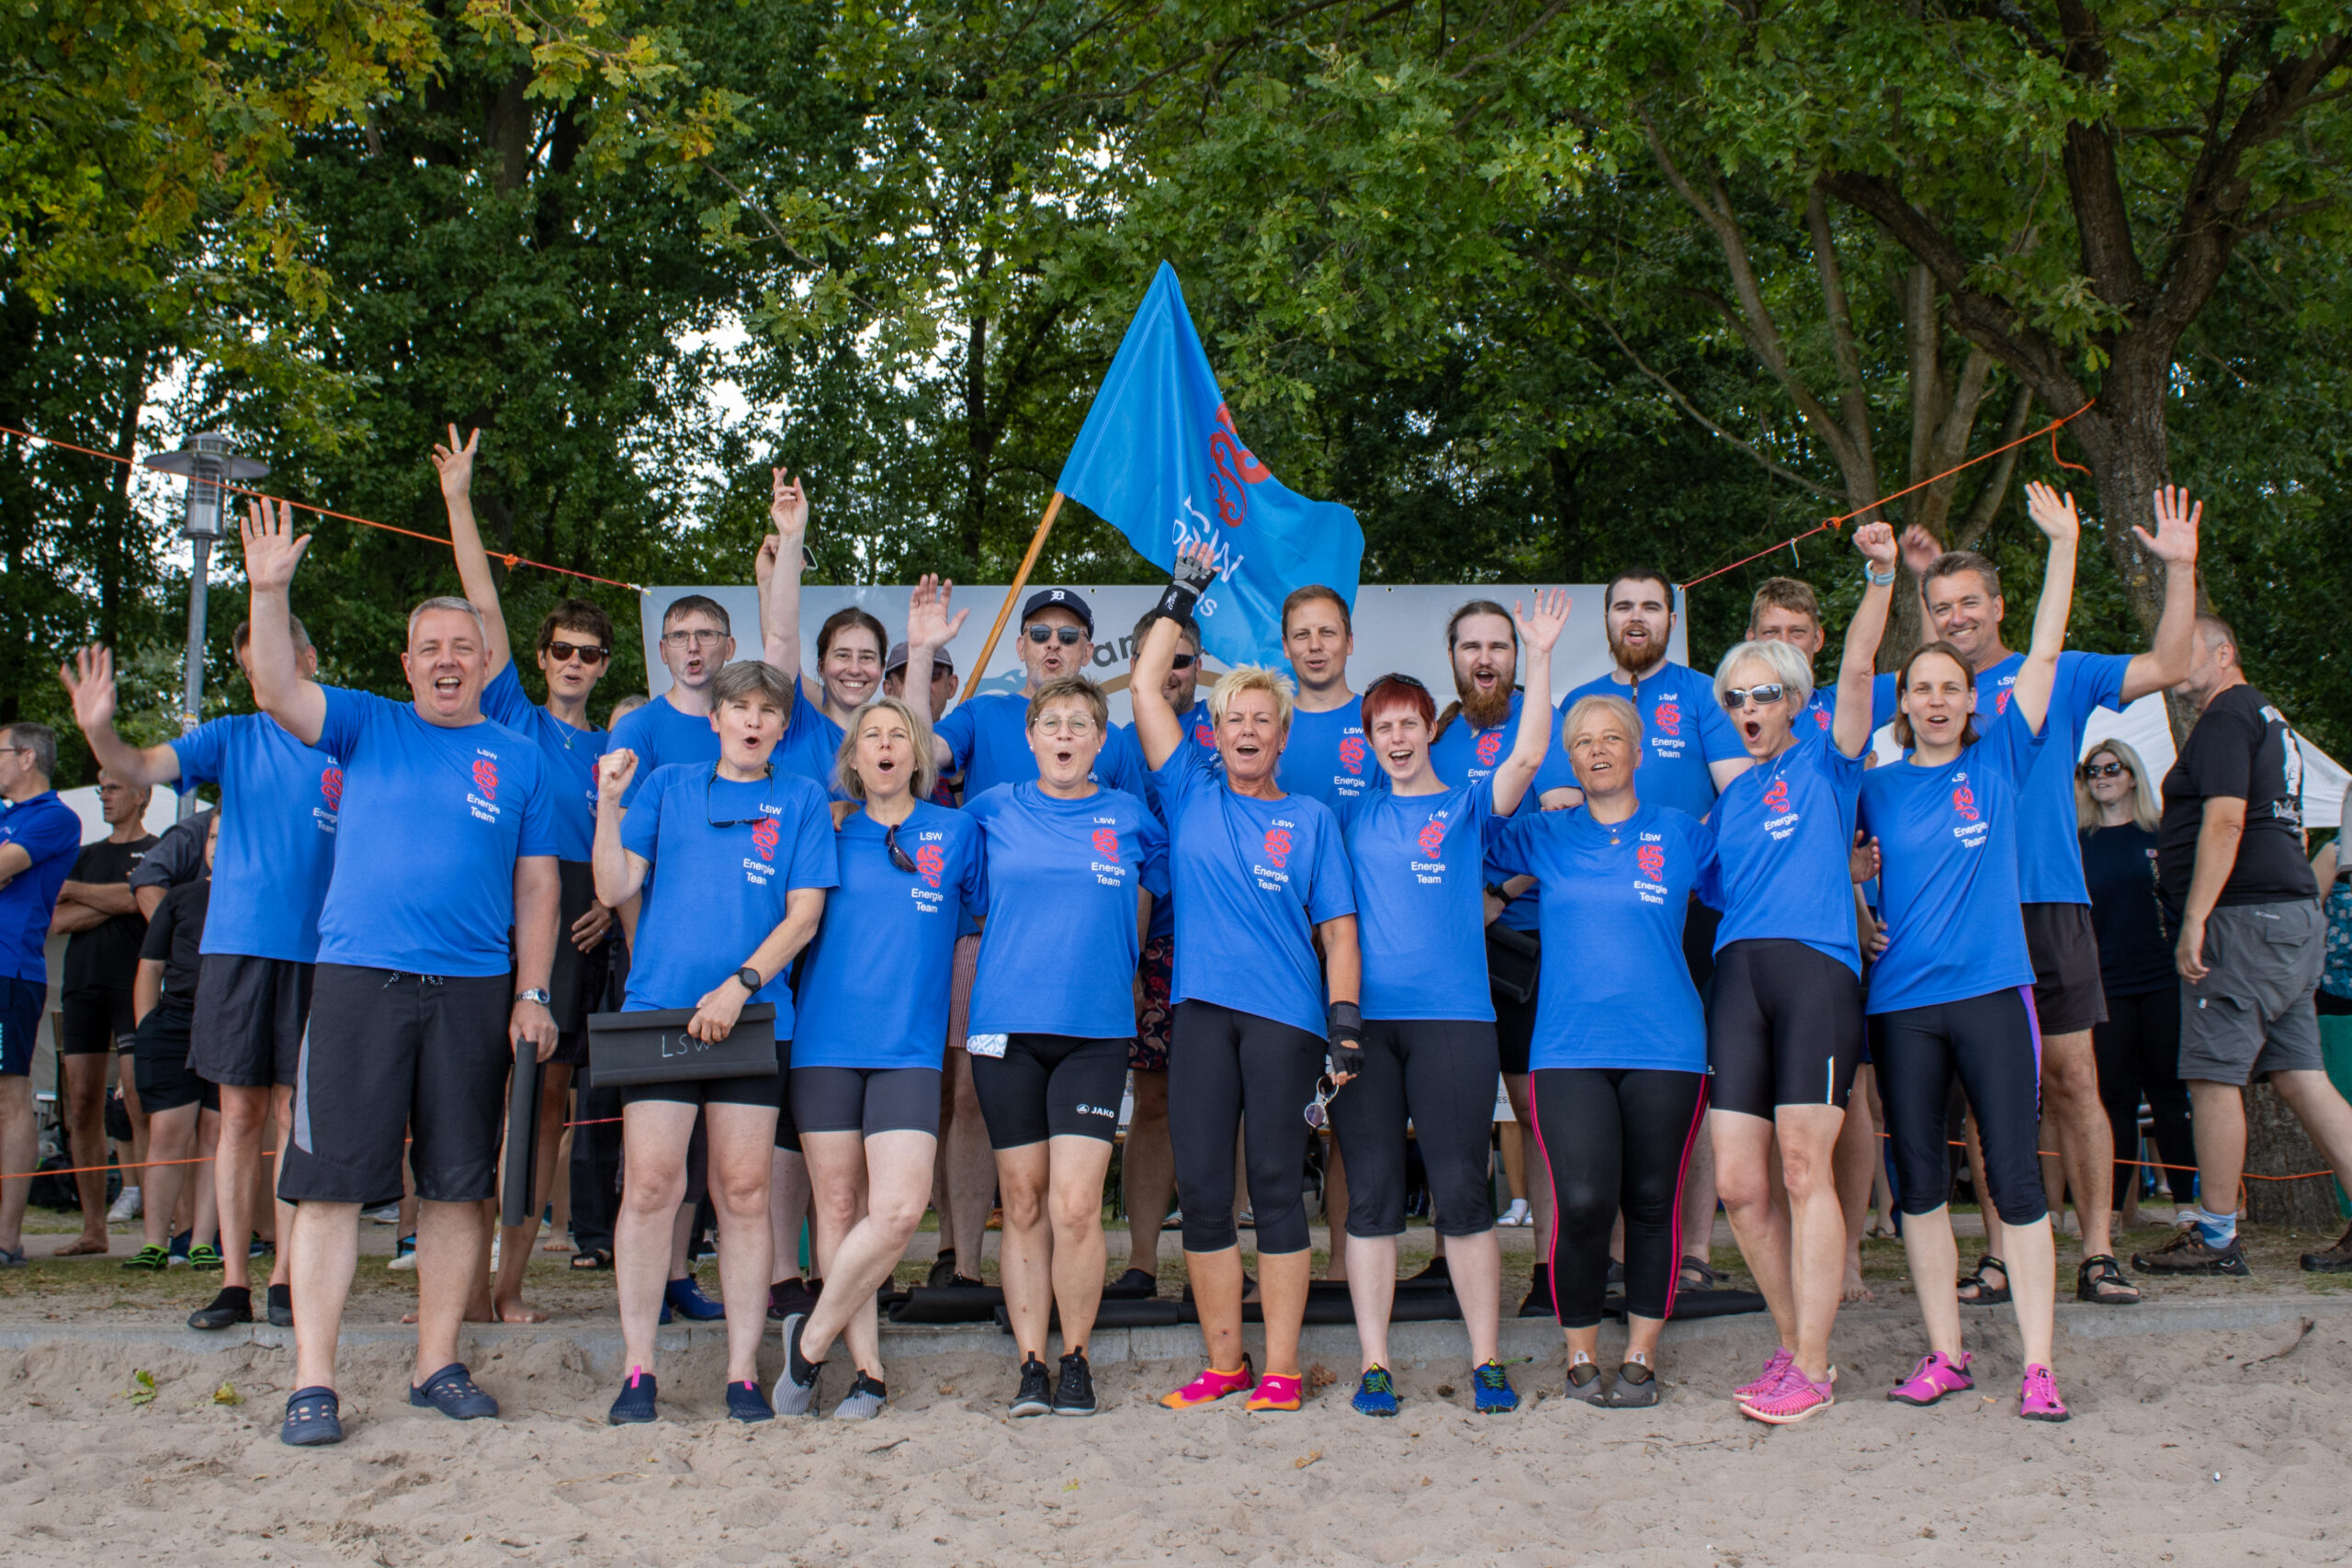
x: 971, y: 1170
x: 895, y: 1180
x: 207, y: 1226
x: 171, y: 1136
x: 138, y: 1113
x: 1282, y: 1280
x: 1854, y: 1161
x: 1699, y: 1204
x: 244, y: 1115
x: 1074, y: 1204
x: 1743, y: 1145
x: 1514, y: 1150
x: 789, y: 1211
x: 2085, y: 1141
x: 1216, y: 1296
x: 517, y: 1242
x: 1475, y: 1263
x: 1808, y: 1139
x: 86, y: 1146
x: 2217, y: 1120
x: 1025, y: 1251
x: 1934, y: 1258
x: 1539, y: 1174
x: 2033, y: 1285
x: 743, y: 1138
x: 1148, y: 1173
x: 281, y: 1212
x: 654, y: 1134
x: 450, y: 1268
x: 1372, y: 1290
x: 1335, y: 1206
x: 326, y: 1250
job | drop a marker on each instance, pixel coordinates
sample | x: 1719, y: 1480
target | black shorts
x: 1784, y: 1027
x: 158, y: 1055
x: 20, y: 1004
x: 1515, y: 1030
x: 865, y: 1101
x: 1051, y: 1086
x: 787, y: 1131
x: 388, y: 1057
x: 2068, y: 994
x: 570, y: 1048
x: 763, y: 1090
x: 249, y: 1018
x: 95, y: 1022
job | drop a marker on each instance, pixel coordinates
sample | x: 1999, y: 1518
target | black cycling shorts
x: 1051, y: 1086
x: 865, y: 1101
x: 1784, y: 1027
x: 249, y: 1018
x: 95, y: 1022
x: 159, y: 1054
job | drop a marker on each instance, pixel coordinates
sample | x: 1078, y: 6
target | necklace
x: 570, y: 734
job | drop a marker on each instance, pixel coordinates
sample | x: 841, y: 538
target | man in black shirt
x: 102, y: 924
x: 183, y: 1110
x: 2230, y: 869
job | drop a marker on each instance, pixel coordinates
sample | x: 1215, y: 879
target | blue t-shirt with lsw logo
x: 1784, y: 833
x: 280, y: 801
x: 1419, y: 864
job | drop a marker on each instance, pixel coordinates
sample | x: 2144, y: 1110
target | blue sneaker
x: 1490, y: 1386
x: 635, y: 1404
x: 746, y: 1403
x: 684, y: 1296
x: 1376, y: 1393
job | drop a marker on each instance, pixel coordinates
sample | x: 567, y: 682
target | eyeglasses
x: 898, y: 857
x: 1318, y: 1115
x: 564, y: 653
x: 2103, y: 770
x: 693, y: 639
x: 1183, y: 661
x: 1763, y: 696
x: 1068, y: 637
x: 709, y: 790
x: 1072, y: 724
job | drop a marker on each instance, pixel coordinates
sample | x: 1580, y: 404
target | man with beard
x: 1472, y: 738
x: 1690, y: 751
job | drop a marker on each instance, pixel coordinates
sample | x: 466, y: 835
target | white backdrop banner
x: 1400, y: 628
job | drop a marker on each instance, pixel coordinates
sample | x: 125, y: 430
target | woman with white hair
x: 1258, y: 878
x: 2138, y: 1048
x: 1784, y: 1024
x: 1618, y: 1070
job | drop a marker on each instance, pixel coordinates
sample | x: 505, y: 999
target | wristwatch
x: 1873, y: 579
x: 749, y: 979
x: 540, y: 995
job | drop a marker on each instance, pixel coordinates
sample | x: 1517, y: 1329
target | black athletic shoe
x: 233, y: 1305
x: 788, y: 1296
x: 1437, y: 1270
x: 943, y: 1269
x: 282, y: 1307
x: 2336, y: 1259
x: 634, y: 1403
x: 1539, y: 1297
x: 746, y: 1403
x: 1074, y: 1391
x: 2187, y: 1254
x: 1035, y: 1397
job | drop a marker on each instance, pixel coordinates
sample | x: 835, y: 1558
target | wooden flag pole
x: 1012, y: 595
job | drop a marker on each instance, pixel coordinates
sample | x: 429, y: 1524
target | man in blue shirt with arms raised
x: 39, y: 836
x: 447, y: 841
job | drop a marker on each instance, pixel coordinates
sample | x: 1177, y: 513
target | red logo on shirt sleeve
x: 1278, y: 845
x: 1821, y: 718
x: 1352, y: 749
x: 763, y: 837
x: 331, y: 785
x: 1106, y: 843
x: 2001, y: 703
x: 1964, y: 800
x: 930, y: 862
x: 1491, y: 746
x: 1205, y: 737
x: 486, y: 777
x: 1668, y: 717
x: 1432, y: 839
x: 1652, y: 860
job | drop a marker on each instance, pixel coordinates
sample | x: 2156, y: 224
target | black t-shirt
x: 104, y: 957
x: 176, y: 937
x: 178, y: 856
x: 2119, y: 865
x: 2243, y: 749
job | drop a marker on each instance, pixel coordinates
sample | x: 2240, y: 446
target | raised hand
x: 928, y: 625
x: 2175, y: 540
x: 455, y: 464
x: 614, y: 770
x: 1876, y: 541
x: 2052, y: 513
x: 1541, y: 630
x: 763, y: 564
x: 272, y: 548
x: 787, y: 506
x: 1195, y: 567
x: 89, y: 680
x: 1920, y: 549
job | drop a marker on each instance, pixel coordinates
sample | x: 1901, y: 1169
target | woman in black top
x: 2139, y: 1046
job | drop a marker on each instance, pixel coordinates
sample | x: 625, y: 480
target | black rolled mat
x: 948, y: 1304
x: 1694, y: 1304
x: 1116, y: 1314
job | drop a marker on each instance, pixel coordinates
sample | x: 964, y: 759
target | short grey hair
x: 41, y: 740
x: 448, y: 602
x: 747, y: 677
x: 1788, y: 666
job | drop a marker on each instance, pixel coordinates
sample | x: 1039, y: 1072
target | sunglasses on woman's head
x: 1400, y: 680
x: 563, y: 652
x: 1068, y: 637
x: 1763, y: 696
x: 2102, y: 770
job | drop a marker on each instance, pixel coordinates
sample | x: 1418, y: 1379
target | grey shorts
x: 2252, y: 1014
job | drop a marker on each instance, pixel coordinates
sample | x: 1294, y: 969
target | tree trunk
x: 2275, y: 1146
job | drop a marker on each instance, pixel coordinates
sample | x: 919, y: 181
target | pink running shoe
x: 1935, y: 1375
x: 1211, y: 1386
x: 1794, y: 1398
x: 2038, y: 1399
x: 1769, y: 1379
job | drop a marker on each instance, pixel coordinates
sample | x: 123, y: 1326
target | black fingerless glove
x: 1344, y: 1022
x: 1186, y: 583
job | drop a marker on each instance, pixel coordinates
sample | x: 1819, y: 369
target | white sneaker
x: 1517, y: 1214
x: 126, y: 1207
x: 495, y: 1243
x: 382, y: 1214
x: 403, y: 1259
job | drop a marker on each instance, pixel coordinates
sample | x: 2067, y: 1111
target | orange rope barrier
x: 511, y: 561
x: 2050, y: 430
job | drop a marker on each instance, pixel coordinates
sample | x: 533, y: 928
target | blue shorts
x: 20, y: 1004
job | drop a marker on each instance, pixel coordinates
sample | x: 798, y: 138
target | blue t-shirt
x: 571, y: 754
x: 1683, y: 731
x: 988, y: 740
x: 1784, y: 833
x: 1200, y: 733
x: 46, y: 828
x: 1467, y: 754
x: 277, y: 851
x: 2049, y: 866
x: 874, y: 985
x: 1947, y: 844
x: 1252, y: 879
x: 1420, y: 901
x: 722, y: 888
x: 1821, y: 708
x: 1616, y: 991
x: 1059, y: 952
x: 431, y: 822
x: 1328, y: 757
x: 661, y: 737
x: 811, y: 746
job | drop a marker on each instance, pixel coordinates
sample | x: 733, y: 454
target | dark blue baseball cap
x: 1059, y: 599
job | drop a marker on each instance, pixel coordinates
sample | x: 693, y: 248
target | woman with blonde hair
x: 866, y: 1071
x: 2138, y: 1047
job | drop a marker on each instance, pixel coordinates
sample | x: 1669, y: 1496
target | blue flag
x: 1160, y: 461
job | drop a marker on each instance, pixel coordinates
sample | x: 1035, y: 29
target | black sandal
x: 592, y: 1257
x: 2101, y: 1280
x: 1987, y: 1294
x: 1709, y: 1278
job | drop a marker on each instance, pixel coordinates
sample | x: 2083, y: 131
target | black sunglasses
x: 1764, y: 696
x: 587, y: 652
x: 1183, y: 661
x: 1068, y: 637
x: 2097, y: 771
x: 709, y: 789
x: 898, y: 857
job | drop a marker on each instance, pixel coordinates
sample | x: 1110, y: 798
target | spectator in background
x: 183, y: 1109
x: 2230, y: 871
x: 2139, y: 1046
x: 2332, y: 1002
x: 39, y: 836
x: 102, y: 925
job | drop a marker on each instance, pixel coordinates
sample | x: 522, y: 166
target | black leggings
x: 1441, y: 1072
x: 1995, y: 1045
x: 2138, y: 1053
x: 1616, y: 1138
x: 1229, y: 1072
